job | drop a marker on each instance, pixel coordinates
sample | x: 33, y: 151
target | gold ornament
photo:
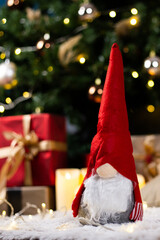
x: 88, y: 12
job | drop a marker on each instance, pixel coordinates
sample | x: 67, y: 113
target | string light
x: 133, y: 21
x: 14, y: 82
x: 134, y: 11
x: 46, y: 36
x: 150, y: 108
x: 10, y: 3
x: 26, y: 94
x: 150, y: 83
x: 145, y: 205
x: 100, y: 91
x: 18, y: 51
x: 47, y: 45
x: 112, y: 14
x: 38, y: 110
x: 50, y: 69
x: 66, y: 21
x: 4, y: 20
x: 16, y: 2
x: 51, y: 211
x: 89, y: 10
x: 8, y: 100
x: 1, y: 33
x: 3, y: 213
x: 135, y: 74
x: 147, y: 63
x: 98, y: 81
x: 92, y: 90
x: 30, y: 216
x: 3, y: 55
x: 82, y: 60
x: 2, y: 109
x: 155, y: 64
x: 40, y: 44
x: 7, y: 86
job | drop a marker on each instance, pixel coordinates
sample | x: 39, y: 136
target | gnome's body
x: 110, y: 191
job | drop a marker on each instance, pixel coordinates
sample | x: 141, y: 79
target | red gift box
x: 35, y: 146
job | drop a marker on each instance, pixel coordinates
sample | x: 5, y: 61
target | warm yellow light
x: 14, y: 82
x: 3, y: 55
x: 68, y: 175
x: 150, y: 108
x: 43, y: 205
x: 18, y: 51
x: 10, y: 3
x: 145, y: 205
x: 135, y: 74
x: 7, y: 86
x: 2, y: 109
x: 100, y: 91
x: 51, y: 211
x: 38, y: 110
x: 4, y: 20
x: 134, y: 11
x: 66, y: 21
x: 30, y: 216
x: 50, y: 69
x: 141, y: 180
x: 8, y: 100
x: 40, y: 44
x: 112, y: 14
x: 47, y: 45
x: 133, y: 21
x: 92, y: 90
x: 98, y: 81
x: 82, y: 60
x: 1, y: 33
x: 3, y: 213
x: 26, y: 94
x: 150, y: 83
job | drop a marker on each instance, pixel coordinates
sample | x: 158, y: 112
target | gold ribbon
x: 16, y: 152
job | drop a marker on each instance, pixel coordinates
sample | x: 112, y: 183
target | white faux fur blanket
x: 64, y: 226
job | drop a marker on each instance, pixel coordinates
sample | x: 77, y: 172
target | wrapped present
x: 32, y: 147
x: 146, y: 152
x: 18, y: 197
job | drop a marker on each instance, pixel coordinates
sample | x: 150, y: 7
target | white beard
x: 106, y: 199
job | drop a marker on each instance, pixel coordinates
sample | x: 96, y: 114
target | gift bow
x: 25, y: 146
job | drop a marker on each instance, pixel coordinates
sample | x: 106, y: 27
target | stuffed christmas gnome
x: 110, y: 191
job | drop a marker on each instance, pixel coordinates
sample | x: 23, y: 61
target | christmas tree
x: 54, y: 58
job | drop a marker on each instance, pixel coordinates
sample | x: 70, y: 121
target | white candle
x: 67, y: 183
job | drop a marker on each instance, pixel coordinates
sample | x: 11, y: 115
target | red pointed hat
x: 112, y: 143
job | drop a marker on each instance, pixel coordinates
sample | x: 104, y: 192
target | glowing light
x: 155, y: 64
x: 7, y: 86
x: 135, y: 74
x: 133, y: 21
x: 47, y: 45
x: 1, y: 33
x: 40, y: 44
x: 98, y: 81
x: 81, y: 11
x: 16, y: 2
x: 66, y: 21
x: 10, y: 3
x: 3, y: 213
x: 2, y: 109
x: 100, y: 91
x: 46, y: 36
x: 150, y: 83
x: 38, y: 110
x: 134, y: 11
x: 30, y: 217
x: 14, y: 82
x: 43, y: 206
x: 50, y: 69
x: 112, y: 14
x: 147, y: 63
x: 8, y: 100
x: 82, y: 60
x: 150, y: 108
x: 68, y: 175
x: 89, y: 10
x: 129, y: 229
x: 4, y: 20
x: 3, y: 55
x: 92, y: 90
x: 18, y: 51
x: 141, y: 180
x: 145, y: 205
x: 51, y: 211
x: 26, y: 94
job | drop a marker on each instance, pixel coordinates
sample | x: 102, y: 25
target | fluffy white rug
x: 64, y: 226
